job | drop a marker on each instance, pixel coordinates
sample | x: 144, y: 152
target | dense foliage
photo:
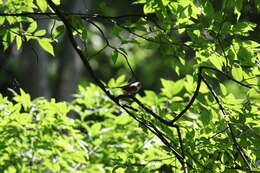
x: 37, y: 136
x: 207, y: 120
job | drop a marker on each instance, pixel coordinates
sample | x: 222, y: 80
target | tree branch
x: 192, y: 99
x: 154, y: 130
x: 239, y: 148
x: 182, y: 149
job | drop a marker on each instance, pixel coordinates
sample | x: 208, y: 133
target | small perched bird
x: 131, y: 88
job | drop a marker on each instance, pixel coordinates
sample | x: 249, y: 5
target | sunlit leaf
x: 237, y: 73
x: 32, y: 27
x: 40, y: 33
x: 171, y: 88
x: 42, y: 5
x: 46, y: 45
x: 18, y: 41
x: 57, y: 2
x: 2, y: 20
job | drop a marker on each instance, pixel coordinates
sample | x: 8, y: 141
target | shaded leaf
x: 114, y: 56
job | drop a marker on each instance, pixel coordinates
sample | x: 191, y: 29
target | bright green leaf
x: 45, y: 43
x: 42, y: 5
x: 223, y: 89
x: 148, y: 8
x: 243, y: 28
x: 57, y: 2
x: 40, y: 33
x: 18, y: 42
x: 217, y: 61
x: 254, y: 95
x: 32, y: 27
x: 237, y: 73
x: 171, y: 88
x: 189, y: 84
x: 2, y: 20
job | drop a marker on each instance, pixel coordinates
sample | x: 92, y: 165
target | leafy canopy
x: 205, y: 121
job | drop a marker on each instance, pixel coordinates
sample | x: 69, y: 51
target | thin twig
x: 152, y: 40
x: 168, y: 123
x: 214, y: 95
x: 182, y: 149
x: 97, y: 53
x: 112, y: 47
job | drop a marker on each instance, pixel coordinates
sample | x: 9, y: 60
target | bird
x: 131, y: 88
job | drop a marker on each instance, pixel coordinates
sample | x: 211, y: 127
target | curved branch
x: 168, y: 123
x: 192, y: 99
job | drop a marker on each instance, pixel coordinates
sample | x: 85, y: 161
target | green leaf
x: 32, y: 27
x: 84, y: 34
x: 238, y: 7
x: 114, y: 56
x: 223, y: 89
x: 150, y: 98
x: 24, y: 99
x: 18, y: 42
x: 57, y: 2
x: 237, y: 73
x: 217, y: 61
x: 171, y: 88
x: 95, y: 129
x: 209, y: 10
x: 2, y: 20
x: 245, y: 55
x: 10, y: 169
x: 203, y: 88
x: 59, y: 30
x: 254, y: 95
x: 148, y: 8
x: 45, y: 43
x: 250, y: 43
x: 42, y: 5
x: 122, y: 120
x: 243, y: 28
x: 189, y: 84
x: 205, y: 116
x: 40, y: 33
